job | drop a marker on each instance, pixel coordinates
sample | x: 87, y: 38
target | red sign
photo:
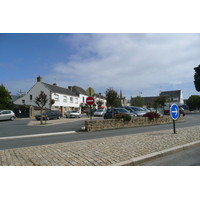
x: 90, y: 100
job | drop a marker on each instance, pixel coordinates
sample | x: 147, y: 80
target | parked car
x: 108, y: 114
x: 88, y: 112
x: 99, y: 112
x: 73, y: 113
x: 50, y: 114
x: 7, y: 114
x: 136, y: 110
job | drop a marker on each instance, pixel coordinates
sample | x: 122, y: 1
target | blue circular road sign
x: 174, y: 111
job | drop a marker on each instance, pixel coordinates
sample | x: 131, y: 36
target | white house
x: 173, y: 96
x: 100, y: 100
x: 65, y: 98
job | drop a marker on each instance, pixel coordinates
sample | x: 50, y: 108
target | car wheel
x: 12, y: 118
x: 48, y: 118
x: 58, y: 117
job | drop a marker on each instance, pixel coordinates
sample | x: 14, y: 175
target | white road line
x: 36, y: 135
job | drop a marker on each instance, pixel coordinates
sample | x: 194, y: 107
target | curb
x: 159, y: 154
x: 36, y: 135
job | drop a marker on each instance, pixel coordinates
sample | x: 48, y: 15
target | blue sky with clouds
x: 131, y: 62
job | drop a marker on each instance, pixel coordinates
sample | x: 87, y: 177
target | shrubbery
x: 123, y: 116
x: 152, y: 115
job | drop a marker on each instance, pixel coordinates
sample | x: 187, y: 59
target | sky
x: 136, y: 63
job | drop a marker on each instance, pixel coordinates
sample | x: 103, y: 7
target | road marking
x: 36, y: 135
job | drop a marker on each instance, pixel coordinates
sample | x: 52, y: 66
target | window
x: 175, y: 99
x: 65, y: 99
x: 31, y: 97
x: 76, y: 100
x: 23, y: 101
x: 83, y: 99
x: 71, y: 99
x: 56, y: 97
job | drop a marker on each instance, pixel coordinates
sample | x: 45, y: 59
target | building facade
x: 64, y: 98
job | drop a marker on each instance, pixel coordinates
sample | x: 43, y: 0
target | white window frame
x: 65, y: 99
x: 71, y: 99
x: 56, y: 97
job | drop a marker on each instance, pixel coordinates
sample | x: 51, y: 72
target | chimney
x: 70, y: 88
x: 39, y: 79
x: 55, y: 84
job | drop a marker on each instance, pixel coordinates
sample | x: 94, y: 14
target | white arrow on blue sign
x: 174, y: 111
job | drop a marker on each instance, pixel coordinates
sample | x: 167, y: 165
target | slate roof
x: 78, y: 90
x: 60, y: 90
x: 149, y: 99
x: 171, y: 94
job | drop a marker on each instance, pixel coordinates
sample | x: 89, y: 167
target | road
x: 19, y: 127
x: 189, y: 157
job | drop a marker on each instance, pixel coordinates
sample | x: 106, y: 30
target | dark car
x: 89, y: 112
x: 50, y: 114
x: 108, y: 114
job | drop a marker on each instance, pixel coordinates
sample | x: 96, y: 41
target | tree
x: 194, y: 102
x: 137, y: 101
x: 111, y: 97
x: 159, y: 101
x: 197, y: 78
x: 41, y: 101
x: 5, y: 98
x: 20, y: 94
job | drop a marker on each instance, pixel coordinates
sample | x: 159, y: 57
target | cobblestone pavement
x: 98, y: 152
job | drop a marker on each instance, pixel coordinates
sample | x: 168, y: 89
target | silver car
x: 99, y: 112
x: 7, y: 114
x: 138, y: 111
x: 73, y: 113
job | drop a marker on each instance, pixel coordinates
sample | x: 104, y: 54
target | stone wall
x: 96, y: 125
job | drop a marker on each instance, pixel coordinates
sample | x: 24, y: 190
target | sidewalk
x: 112, y: 151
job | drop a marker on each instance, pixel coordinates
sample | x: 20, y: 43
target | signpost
x: 90, y: 101
x: 174, y: 113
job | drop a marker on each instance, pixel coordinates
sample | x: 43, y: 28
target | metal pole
x: 90, y: 112
x: 174, y: 127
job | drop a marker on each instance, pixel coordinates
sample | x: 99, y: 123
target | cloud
x: 134, y: 63
x: 131, y: 62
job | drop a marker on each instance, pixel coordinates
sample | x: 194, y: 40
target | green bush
x: 123, y: 116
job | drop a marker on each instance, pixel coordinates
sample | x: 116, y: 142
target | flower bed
x: 152, y: 115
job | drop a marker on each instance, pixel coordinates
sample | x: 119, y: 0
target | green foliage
x: 5, y: 98
x: 137, y: 101
x: 194, y: 102
x: 117, y: 103
x: 123, y: 116
x: 160, y: 101
x: 111, y: 97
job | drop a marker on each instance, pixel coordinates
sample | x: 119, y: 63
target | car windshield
x: 122, y: 110
x: 99, y: 110
x: 136, y: 109
x: 46, y: 112
x: 74, y: 111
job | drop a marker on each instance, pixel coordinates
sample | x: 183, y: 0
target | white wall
x: 34, y: 91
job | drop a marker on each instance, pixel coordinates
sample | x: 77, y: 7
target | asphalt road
x: 19, y: 127
x: 189, y: 157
